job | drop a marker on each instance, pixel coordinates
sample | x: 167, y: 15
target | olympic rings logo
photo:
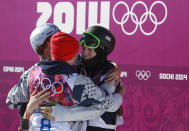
x: 41, y: 83
x: 139, y: 21
x: 143, y: 75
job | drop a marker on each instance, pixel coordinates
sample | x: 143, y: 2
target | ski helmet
x: 98, y: 37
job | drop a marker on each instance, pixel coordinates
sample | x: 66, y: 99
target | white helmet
x: 41, y: 33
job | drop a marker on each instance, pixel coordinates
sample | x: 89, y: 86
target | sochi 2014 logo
x: 77, y: 16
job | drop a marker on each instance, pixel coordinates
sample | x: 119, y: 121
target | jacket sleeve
x: 81, y: 113
x: 75, y: 113
x: 19, y: 93
x: 86, y: 93
x: 109, y: 87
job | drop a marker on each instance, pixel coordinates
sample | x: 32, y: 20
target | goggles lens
x: 89, y: 40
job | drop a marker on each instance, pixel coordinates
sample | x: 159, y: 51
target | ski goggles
x: 89, y: 40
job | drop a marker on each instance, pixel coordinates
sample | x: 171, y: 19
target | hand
x: 47, y: 112
x: 113, y: 75
x: 35, y: 100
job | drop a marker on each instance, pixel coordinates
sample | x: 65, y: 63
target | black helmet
x: 98, y: 37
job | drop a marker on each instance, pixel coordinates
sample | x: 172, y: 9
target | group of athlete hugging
x: 67, y: 91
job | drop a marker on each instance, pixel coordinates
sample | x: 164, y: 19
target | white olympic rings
x: 142, y: 19
x: 40, y: 83
x: 143, y: 75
